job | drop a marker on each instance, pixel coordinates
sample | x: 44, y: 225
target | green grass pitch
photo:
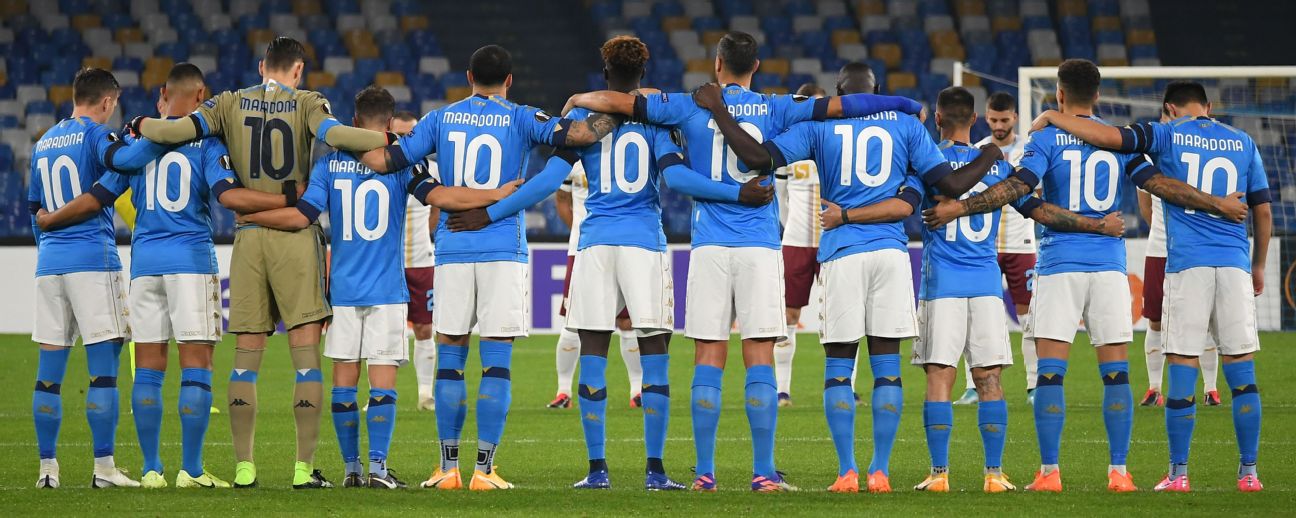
x: 543, y: 452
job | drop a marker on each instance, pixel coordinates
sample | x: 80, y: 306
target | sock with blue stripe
x: 195, y: 414
x: 839, y: 409
x: 762, y: 417
x: 493, y: 399
x: 938, y: 421
x: 47, y: 401
x: 1180, y: 414
x: 1241, y: 377
x: 1050, y: 408
x: 1118, y: 410
x: 101, y: 397
x: 706, y: 415
x: 656, y: 404
x: 452, y: 401
x: 346, y: 423
x: 888, y: 402
x: 146, y: 404
x: 308, y: 397
x: 592, y: 396
x: 992, y: 419
x: 382, y: 424
x: 243, y: 400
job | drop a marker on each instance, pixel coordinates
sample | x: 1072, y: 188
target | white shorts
x: 91, y: 305
x: 728, y: 283
x: 866, y: 294
x: 607, y: 278
x: 185, y: 306
x: 1100, y: 299
x: 1206, y: 306
x: 949, y: 328
x: 494, y: 296
x: 375, y: 334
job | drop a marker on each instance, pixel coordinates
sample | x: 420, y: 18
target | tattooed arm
x: 1058, y: 218
x: 1176, y: 192
x: 591, y: 130
x: 996, y: 196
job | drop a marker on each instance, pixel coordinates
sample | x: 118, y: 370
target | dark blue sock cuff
x: 707, y: 376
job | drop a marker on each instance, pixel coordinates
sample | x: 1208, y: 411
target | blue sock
x: 1050, y: 408
x: 346, y: 422
x: 1118, y: 409
x: 1181, y: 411
x: 146, y: 402
x: 451, y: 391
x: 47, y: 403
x: 762, y: 417
x: 1241, y: 378
x: 706, y: 415
x: 195, y: 413
x: 992, y: 419
x: 938, y: 421
x: 888, y: 402
x: 101, y: 397
x: 839, y: 409
x: 592, y: 396
x: 656, y: 402
x: 495, y: 393
x: 382, y: 423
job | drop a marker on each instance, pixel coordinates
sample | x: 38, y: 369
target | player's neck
x: 725, y: 78
x: 278, y: 77
x: 1078, y: 111
x: 626, y: 87
x: 963, y: 135
x: 89, y: 113
x: 488, y: 91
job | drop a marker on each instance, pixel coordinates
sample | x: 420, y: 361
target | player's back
x: 622, y: 204
x: 65, y: 163
x: 269, y: 131
x: 1218, y: 159
x: 367, y: 225
x: 959, y: 259
x: 1087, y: 181
x: 173, y: 219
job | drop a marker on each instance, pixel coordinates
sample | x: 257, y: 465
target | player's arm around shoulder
x: 304, y: 211
x: 206, y: 120
x: 890, y: 210
x: 102, y: 194
x: 538, y: 188
x: 326, y: 128
x: 218, y: 171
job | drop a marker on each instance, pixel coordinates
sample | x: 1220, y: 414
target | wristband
x: 845, y: 216
x: 290, y: 193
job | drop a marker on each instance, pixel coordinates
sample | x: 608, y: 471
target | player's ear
x: 261, y: 67
x: 719, y: 64
x: 470, y: 78
x: 1208, y: 108
x: 508, y: 81
x: 756, y: 67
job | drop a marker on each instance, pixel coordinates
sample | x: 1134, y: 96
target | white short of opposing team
x: 800, y: 209
x: 90, y: 305
x: 950, y: 328
x: 1100, y: 299
x: 866, y: 294
x: 375, y: 334
x: 184, y: 306
x: 728, y: 283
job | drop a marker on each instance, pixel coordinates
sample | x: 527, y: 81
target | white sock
x: 784, y: 351
x: 967, y: 373
x: 568, y: 355
x: 1048, y: 468
x: 630, y: 355
x: 425, y: 365
x: 1119, y: 468
x: 105, y: 462
x: 1155, y: 358
x: 1210, y: 368
x: 1030, y: 359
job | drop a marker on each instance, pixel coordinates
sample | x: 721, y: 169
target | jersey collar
x: 952, y: 143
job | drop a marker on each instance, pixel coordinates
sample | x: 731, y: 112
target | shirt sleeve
x: 792, y: 109
x: 218, y: 169
x: 911, y: 191
x: 926, y: 157
x: 316, y: 197
x: 794, y: 145
x: 208, y: 117
x: 1032, y: 163
x: 539, y: 127
x: 115, y: 183
x: 1147, y: 138
x: 666, y: 142
x: 1257, y: 181
x: 665, y: 109
x: 317, y: 110
x: 124, y: 154
x: 419, y: 143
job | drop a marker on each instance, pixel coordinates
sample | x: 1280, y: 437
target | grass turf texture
x: 543, y: 451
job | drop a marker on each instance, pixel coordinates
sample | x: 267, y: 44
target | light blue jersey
x: 863, y: 161
x: 762, y: 116
x: 1087, y: 181
x: 481, y: 142
x: 1217, y: 159
x: 624, y: 203
x: 66, y: 162
x: 960, y: 258
x: 367, y: 228
x: 173, y: 221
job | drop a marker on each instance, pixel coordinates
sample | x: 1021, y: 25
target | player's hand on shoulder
x: 475, y: 219
x: 1232, y: 207
x: 571, y: 104
x: 709, y: 97
x: 1042, y: 120
x: 945, y: 211
x: 755, y: 194
x: 992, y: 149
x: 1113, y: 224
x: 646, y: 90
x: 831, y: 216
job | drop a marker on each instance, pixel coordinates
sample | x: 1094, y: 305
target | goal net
x: 1256, y: 99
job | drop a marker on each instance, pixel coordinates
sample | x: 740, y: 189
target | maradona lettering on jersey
x: 1067, y: 139
x: 70, y: 139
x: 477, y: 119
x: 348, y: 166
x: 1210, y: 144
x: 748, y: 110
x: 267, y: 107
x: 994, y: 169
x: 880, y: 116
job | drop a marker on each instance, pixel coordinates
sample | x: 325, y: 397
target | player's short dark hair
x: 93, y: 84
x: 490, y: 65
x: 283, y: 53
x: 739, y: 52
x: 956, y: 107
x: 374, y: 103
x: 185, y: 74
x: 405, y: 115
x: 810, y: 90
x: 1079, y: 78
x: 1001, y: 102
x: 856, y: 77
x: 625, y: 57
x: 1183, y: 93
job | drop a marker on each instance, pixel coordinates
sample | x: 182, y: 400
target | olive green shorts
x: 277, y: 276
